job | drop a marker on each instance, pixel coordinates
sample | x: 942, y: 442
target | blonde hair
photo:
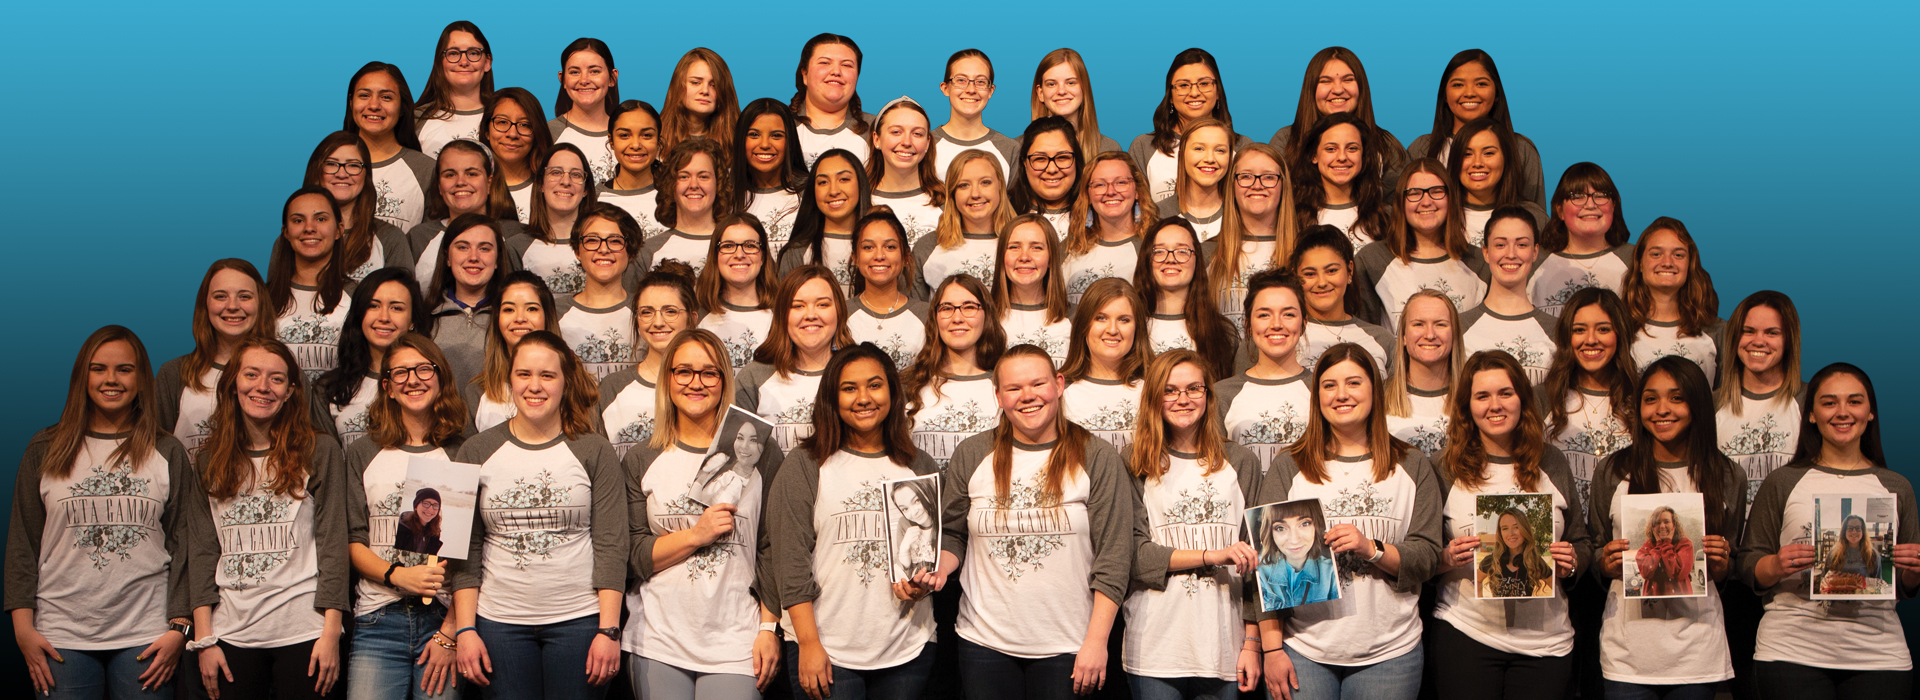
x: 666, y: 421
x: 1086, y: 123
x: 950, y: 232
x: 1080, y: 239
x: 1233, y: 226
x: 1055, y: 284
x: 1397, y: 404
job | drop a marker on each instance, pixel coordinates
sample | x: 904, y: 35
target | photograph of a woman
x: 725, y: 472
x: 913, y: 525
x: 1852, y: 561
x: 1296, y: 568
x: 1665, y: 562
x: 419, y: 529
x: 1662, y: 560
x: 1513, y: 568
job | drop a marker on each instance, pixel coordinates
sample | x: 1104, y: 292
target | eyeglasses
x: 747, y: 248
x: 1203, y: 85
x: 1438, y: 193
x: 1194, y: 393
x: 1038, y: 162
x: 684, y: 376
x: 613, y: 245
x: 1268, y: 180
x: 454, y: 55
x: 670, y: 313
x: 966, y: 310
x: 503, y: 124
x: 973, y: 83
x: 353, y: 167
x: 1110, y: 185
x: 1599, y: 198
x: 424, y: 372
x: 568, y: 173
x: 1172, y: 255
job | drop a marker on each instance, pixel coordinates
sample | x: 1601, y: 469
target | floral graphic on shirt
x: 390, y: 505
x: 1757, y: 437
x: 1202, y: 506
x: 541, y: 493
x: 740, y: 347
x: 355, y: 426
x: 1078, y: 284
x: 896, y: 348
x: 1443, y: 286
x: 1523, y: 351
x: 1270, y: 429
x: 797, y: 414
x: 1362, y: 501
x: 308, y: 329
x: 1178, y: 342
x: 1112, y: 417
x: 1599, y: 440
x: 705, y: 561
x: 567, y: 279
x: 869, y: 557
x: 979, y: 266
x: 608, y: 348
x: 969, y: 417
x: 250, y: 569
x: 1567, y: 289
x: 102, y: 542
x: 844, y: 272
x: 916, y: 226
x: 636, y: 432
x: 366, y: 268
x: 1044, y: 339
x: 1014, y: 553
x: 387, y: 206
x: 1677, y: 349
x: 1430, y: 438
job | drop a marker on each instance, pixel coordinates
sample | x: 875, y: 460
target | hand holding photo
x: 912, y: 508
x: 730, y: 461
x: 1853, y: 547
x: 1664, y: 557
x: 1295, y: 567
x: 438, y: 503
x: 1516, y: 532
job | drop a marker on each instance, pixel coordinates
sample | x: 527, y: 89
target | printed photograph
x: 1853, y: 547
x: 437, y: 502
x: 728, y: 465
x: 1664, y: 557
x: 1295, y: 566
x: 912, y: 507
x: 1515, y: 531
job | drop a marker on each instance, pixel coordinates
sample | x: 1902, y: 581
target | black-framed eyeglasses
x: 613, y: 245
x: 332, y: 167
x: 966, y: 310
x: 670, y: 313
x: 503, y: 124
x: 1599, y: 198
x: 684, y: 376
x: 1194, y: 393
x: 1203, y: 85
x: 974, y: 83
x: 1266, y: 180
x: 424, y: 372
x: 1436, y: 193
x: 1172, y: 255
x: 454, y: 55
x: 747, y: 248
x: 1038, y: 162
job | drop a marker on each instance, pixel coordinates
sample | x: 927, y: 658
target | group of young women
x: 1106, y: 355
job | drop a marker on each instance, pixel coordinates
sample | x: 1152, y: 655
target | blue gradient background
x: 149, y: 141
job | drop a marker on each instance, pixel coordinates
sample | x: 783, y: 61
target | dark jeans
x: 1465, y: 669
x: 279, y: 672
x: 1782, y: 680
x: 903, y: 682
x: 1633, y: 691
x: 991, y: 675
x: 540, y: 661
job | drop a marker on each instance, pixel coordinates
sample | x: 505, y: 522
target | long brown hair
x: 1102, y: 292
x: 1087, y: 122
x: 69, y: 436
x: 1453, y: 236
x: 225, y: 467
x: 1466, y: 455
x: 1578, y: 178
x: 677, y: 123
x: 1151, y: 456
x: 1069, y: 449
x: 499, y: 203
x: 1316, y: 445
x: 778, y: 349
x: 282, y: 264
x: 356, y: 239
x: 1307, y: 110
x: 1697, y: 301
x: 1055, y: 284
x: 830, y: 434
x: 499, y: 363
x: 579, y: 391
x: 432, y: 103
x: 206, y: 340
x: 1080, y: 239
x: 1731, y: 372
x: 1233, y: 226
x: 950, y: 232
x: 929, y: 175
x: 385, y: 425
x: 1564, y: 376
x: 1310, y: 195
x: 537, y: 203
x: 1209, y: 330
x: 1707, y: 466
x: 667, y: 207
x: 710, y: 290
x: 928, y: 369
x: 1225, y: 186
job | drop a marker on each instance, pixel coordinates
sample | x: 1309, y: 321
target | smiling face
x: 343, y: 184
x: 959, y: 331
x: 659, y: 313
x: 1256, y: 200
x: 1663, y: 408
x: 878, y: 254
x: 262, y: 385
x: 1052, y: 182
x: 537, y: 383
x: 416, y: 396
x: 1275, y: 322
x: 766, y: 143
x: 1174, y: 259
x: 113, y: 378
x: 833, y: 74
x: 1842, y: 411
x: 1594, y: 338
x: 1110, y: 336
x: 813, y: 317
x: 585, y: 77
x: 1294, y: 536
x: 598, y: 259
x: 1762, y: 343
x: 1426, y: 214
x: 1513, y: 532
x: 564, y: 183
x: 1028, y: 391
x: 519, y: 313
x: 910, y: 506
x: 903, y: 139
x: 1494, y: 404
x: 503, y: 133
x: 746, y: 446
x: 694, y: 186
x: 310, y: 227
x: 1587, y: 217
x: 375, y: 104
x: 1338, y: 155
x: 1664, y: 260
x: 1204, y: 157
x: 963, y: 86
x: 1427, y: 331
x: 427, y: 510
x: 1345, y: 395
x: 635, y: 138
x: 1470, y: 93
x: 1511, y: 252
x: 978, y: 192
x: 1060, y: 90
x: 863, y: 396
x: 1324, y: 275
x: 1482, y: 166
x: 1338, y: 89
x: 463, y: 181
x: 390, y: 315
x: 464, y: 73
x: 1855, y: 532
x: 701, y: 92
x: 1183, y: 412
x: 836, y: 187
x: 1663, y: 525
x: 1195, y: 89
x: 1025, y: 258
x: 233, y: 301
x: 472, y: 257
x: 695, y: 399
x: 740, y: 267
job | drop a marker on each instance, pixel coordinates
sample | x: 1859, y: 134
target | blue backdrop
x: 151, y: 139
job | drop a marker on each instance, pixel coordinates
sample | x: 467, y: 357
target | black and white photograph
x: 437, y: 504
x: 913, y: 525
x: 728, y: 466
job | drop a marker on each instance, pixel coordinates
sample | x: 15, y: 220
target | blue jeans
x: 903, y: 682
x: 386, y: 643
x: 103, y: 673
x: 1150, y: 688
x: 540, y: 661
x: 1632, y: 691
x: 990, y: 675
x: 1397, y: 678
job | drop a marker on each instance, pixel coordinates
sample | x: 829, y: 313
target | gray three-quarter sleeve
x: 610, y: 536
x: 1553, y: 464
x: 790, y: 516
x: 955, y: 493
x: 167, y: 387
x: 1763, y: 521
x: 640, y: 534
x: 183, y: 489
x: 1420, y: 551
x: 1151, y: 560
x: 766, y: 588
x: 26, y: 527
x: 749, y: 381
x: 326, y: 489
x: 203, y: 553
x: 1249, y: 471
x: 1141, y: 150
x: 1109, y: 519
x: 359, y: 455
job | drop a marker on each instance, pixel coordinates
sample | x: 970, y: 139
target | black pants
x: 1465, y: 669
x: 1780, y: 680
x: 280, y: 672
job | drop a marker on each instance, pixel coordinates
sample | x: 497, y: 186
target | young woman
x: 305, y: 284
x: 1671, y: 299
x: 462, y: 185
x: 968, y: 85
x: 598, y: 322
x: 1265, y: 407
x: 662, y: 310
x: 1480, y: 167
x: 1050, y: 168
x: 1201, y: 189
x: 767, y: 170
x: 1323, y: 261
x: 700, y: 101
x: 1758, y: 407
x: 1185, y: 612
x: 401, y: 643
x: 633, y: 132
x: 903, y: 171
x: 339, y: 165
x: 589, y: 91
x: 226, y: 310
x: 1336, y: 82
x: 547, y: 559
x: 881, y: 314
x: 546, y: 246
x: 1809, y: 648
x: 1429, y: 253
x: 810, y: 323
x: 1194, y: 90
x: 461, y: 293
x: 97, y: 551
x: 1108, y: 244
x: 1062, y: 88
x: 380, y: 112
x: 1585, y: 240
x: 1028, y: 287
x: 1257, y: 228
x: 516, y: 132
x: 1677, y: 648
x: 697, y: 629
x: 1470, y: 89
x: 383, y: 309
x: 1036, y: 609
x: 459, y: 84
x: 854, y: 636
x: 270, y: 593
x: 1338, y: 180
x: 1589, y: 388
x: 696, y: 199
x: 1495, y: 446
x: 966, y: 240
x: 1425, y: 366
x: 1507, y: 320
x: 523, y: 306
x: 823, y: 229
x: 1109, y: 358
x: 826, y: 99
x: 1367, y: 644
x: 736, y: 287
x: 1171, y: 278
x: 950, y: 384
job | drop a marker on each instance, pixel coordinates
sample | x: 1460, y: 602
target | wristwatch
x: 612, y: 633
x: 1379, y: 551
x: 185, y: 630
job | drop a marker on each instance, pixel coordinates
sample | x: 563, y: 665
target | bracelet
x: 1270, y: 651
x: 464, y: 630
x: 389, y: 577
x: 773, y: 627
x: 444, y: 642
x: 202, y: 643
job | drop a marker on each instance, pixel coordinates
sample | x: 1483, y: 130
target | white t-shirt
x: 901, y: 333
x: 974, y: 256
x: 1207, y: 226
x: 350, y: 421
x: 1592, y: 434
x: 604, y: 339
x: 914, y: 208
x: 964, y: 407
x: 1256, y: 256
x: 1762, y: 438
x: 1025, y: 592
x: 1163, y: 171
x: 626, y: 409
x: 862, y: 626
x: 1475, y: 223
x: 1168, y: 332
x: 1059, y: 219
x: 435, y: 134
x: 403, y: 200
x: 785, y: 401
x: 269, y: 566
x: 1317, y: 336
x: 556, y: 264
x: 1370, y: 622
x: 641, y: 204
x: 522, y: 196
x: 1028, y: 324
x: 1536, y: 627
x: 1559, y: 275
x: 1265, y: 415
x: 384, y: 483
x: 103, y: 560
x: 1108, y: 408
x: 1426, y: 426
x: 488, y: 413
x: 313, y: 335
x: 1345, y: 217
x: 601, y: 164
x: 946, y: 148
x: 1105, y: 259
x: 741, y: 329
x: 1659, y: 339
x: 775, y: 209
x: 699, y: 614
x: 1399, y: 281
x: 1193, y: 628
x: 536, y: 502
x: 196, y: 410
x: 814, y: 142
x: 1664, y: 641
x: 1528, y: 338
x: 682, y: 246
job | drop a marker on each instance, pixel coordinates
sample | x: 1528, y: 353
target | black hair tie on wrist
x: 389, y: 577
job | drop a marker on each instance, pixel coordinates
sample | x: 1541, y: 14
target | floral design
x: 684, y: 505
x: 387, y: 205
x: 254, y: 509
x: 1078, y: 284
x: 100, y: 541
x: 916, y: 228
x: 539, y: 494
x: 1012, y: 554
x: 1600, y: 440
x: 1443, y: 286
x: 241, y: 567
x: 247, y: 570
x: 1567, y: 289
x: 1362, y: 501
x: 1177, y: 342
x: 740, y: 347
x: 1200, y: 508
x: 895, y: 347
x: 1041, y: 337
x: 366, y: 268
x: 308, y: 329
x: 1112, y: 417
x: 869, y: 557
x: 567, y: 279
x: 391, y: 504
x: 1523, y: 351
x: 1269, y: 429
x: 355, y: 426
x: 610, y: 348
x: 1758, y: 437
x: 797, y: 414
x: 969, y: 417
x: 1431, y: 439
x: 979, y: 266
x: 636, y: 432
